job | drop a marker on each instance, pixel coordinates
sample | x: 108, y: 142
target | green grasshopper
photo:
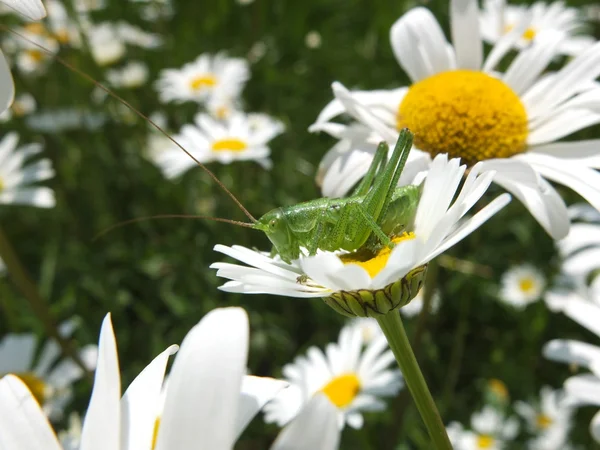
x: 375, y: 210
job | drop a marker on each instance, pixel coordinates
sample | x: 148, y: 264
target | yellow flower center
x: 374, y: 263
x: 498, y: 388
x: 543, y: 421
x: 202, y: 81
x: 62, y: 36
x: 342, y: 390
x: 529, y: 34
x: 229, y: 145
x: 485, y: 441
x: 526, y: 285
x: 35, y: 384
x: 155, y: 433
x: 36, y: 55
x: 35, y: 28
x: 466, y: 114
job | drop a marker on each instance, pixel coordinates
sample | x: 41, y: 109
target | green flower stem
x: 39, y: 307
x: 391, y: 325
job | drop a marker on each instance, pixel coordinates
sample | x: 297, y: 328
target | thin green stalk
x: 27, y: 287
x: 392, y: 327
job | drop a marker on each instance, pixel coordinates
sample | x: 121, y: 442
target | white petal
x: 204, y: 384
x: 583, y: 389
x: 23, y: 425
x: 562, y: 124
x: 101, y: 426
x: 584, y: 152
x: 567, y: 351
x: 595, y: 427
x: 140, y: 404
x: 32, y: 9
x: 7, y: 86
x: 315, y: 428
x: 506, y: 42
x: 466, y: 38
x: 256, y: 392
x: 585, y: 314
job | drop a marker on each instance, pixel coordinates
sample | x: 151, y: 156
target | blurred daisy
x: 16, y: 176
x: 60, y: 120
x: 497, y: 19
x: 206, y: 404
x: 415, y: 306
x: 133, y: 75
x: 207, y: 76
x: 521, y: 285
x: 70, y: 438
x: 106, y: 46
x: 61, y: 26
x: 132, y: 35
x: 369, y: 328
x: 86, y: 6
x: 23, y: 105
x: 335, y: 276
x: 581, y: 389
x: 153, y: 10
x: 354, y: 378
x: 458, y: 104
x: 235, y: 139
x: 48, y: 376
x: 28, y: 57
x: 490, y: 430
x: 497, y: 392
x: 549, y: 421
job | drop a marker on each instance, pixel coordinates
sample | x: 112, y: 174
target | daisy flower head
x: 133, y: 75
x: 48, y: 377
x: 582, y: 389
x: 521, y: 285
x: 490, y: 430
x: 549, y: 420
x: 497, y: 19
x: 16, y: 175
x: 208, y: 76
x: 28, y: 57
x: 206, y: 403
x: 106, y: 46
x: 234, y: 139
x: 354, y: 377
x: 367, y: 283
x: 459, y: 104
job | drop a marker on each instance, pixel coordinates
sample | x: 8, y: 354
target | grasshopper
x: 376, y: 210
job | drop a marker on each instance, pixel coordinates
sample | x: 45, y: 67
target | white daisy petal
x: 32, y: 9
x: 464, y: 21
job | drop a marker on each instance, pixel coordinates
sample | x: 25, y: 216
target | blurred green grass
x: 154, y: 276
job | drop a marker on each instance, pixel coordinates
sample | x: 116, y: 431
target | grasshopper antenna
x: 140, y: 114
x: 169, y: 216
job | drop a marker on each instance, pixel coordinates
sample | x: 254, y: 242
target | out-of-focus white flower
x: 354, y: 377
x: 154, y: 10
x: 28, y: 57
x: 70, y: 439
x: 549, y: 420
x: 498, y: 19
x: 415, y: 306
x: 23, y: 105
x: 16, y: 176
x: 521, y: 285
x: 369, y: 328
x: 85, y: 6
x: 105, y: 44
x: 60, y: 120
x: 208, y: 76
x: 235, y: 139
x: 490, y: 430
x: 313, y: 39
x: 133, y: 35
x: 61, y: 26
x: 581, y: 389
x: 134, y: 74
x: 48, y: 377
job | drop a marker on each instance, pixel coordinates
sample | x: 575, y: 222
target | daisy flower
x: 415, y: 306
x: 363, y: 284
x: 61, y: 26
x: 133, y: 75
x: 497, y: 19
x: 235, y: 139
x: 47, y: 376
x: 28, y: 57
x: 200, y: 80
x: 458, y: 104
x: 521, y: 285
x: 205, y: 405
x: 354, y: 377
x: 16, y: 176
x: 549, y: 421
x: 368, y: 327
x: 106, y: 46
x: 583, y: 389
x: 60, y: 120
x: 490, y: 430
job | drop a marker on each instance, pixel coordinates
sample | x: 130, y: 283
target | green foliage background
x: 154, y: 276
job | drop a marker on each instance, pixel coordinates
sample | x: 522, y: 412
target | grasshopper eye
x: 273, y: 223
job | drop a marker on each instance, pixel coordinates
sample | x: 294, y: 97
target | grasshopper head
x: 275, y: 225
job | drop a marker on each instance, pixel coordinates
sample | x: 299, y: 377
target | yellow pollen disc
x: 529, y: 34
x: 203, y: 81
x: 36, y: 55
x: 373, y: 264
x: 155, y: 433
x: 543, y: 421
x: 35, y: 28
x: 229, y: 145
x: 36, y: 385
x: 498, y: 388
x: 526, y: 284
x: 342, y: 390
x: 466, y: 114
x: 485, y: 441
